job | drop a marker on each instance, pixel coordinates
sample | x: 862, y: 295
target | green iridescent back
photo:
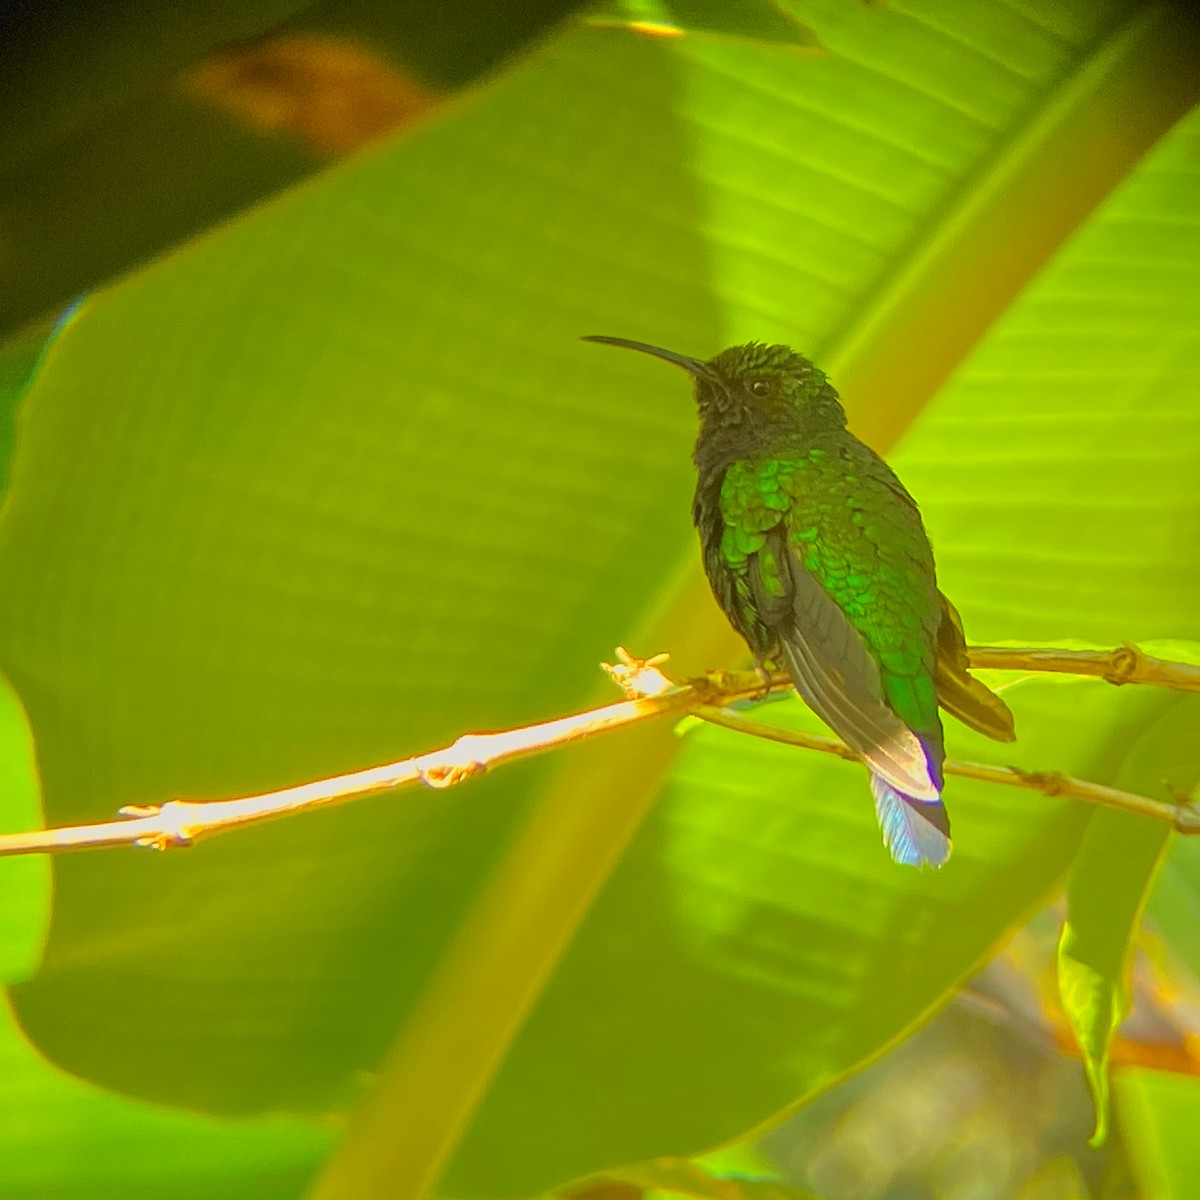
x: 851, y: 526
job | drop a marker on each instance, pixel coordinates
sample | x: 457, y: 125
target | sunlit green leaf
x: 751, y: 20
x: 67, y: 1140
x: 1159, y: 1111
x: 19, y: 358
x: 1108, y: 888
x: 338, y: 483
x: 61, y: 1138
x: 24, y: 882
x: 64, y: 1139
x: 682, y: 1177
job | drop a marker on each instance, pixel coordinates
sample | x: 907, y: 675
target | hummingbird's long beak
x: 692, y: 365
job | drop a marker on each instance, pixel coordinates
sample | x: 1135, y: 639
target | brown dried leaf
x: 332, y: 94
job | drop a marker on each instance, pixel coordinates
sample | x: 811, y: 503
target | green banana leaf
x: 336, y: 482
x: 1109, y: 885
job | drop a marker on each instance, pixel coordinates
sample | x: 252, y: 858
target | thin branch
x: 1182, y: 816
x: 650, y: 695
x: 183, y: 822
x: 1125, y: 664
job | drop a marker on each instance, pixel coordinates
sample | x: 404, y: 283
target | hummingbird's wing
x: 958, y: 691
x: 833, y: 668
x: 836, y: 673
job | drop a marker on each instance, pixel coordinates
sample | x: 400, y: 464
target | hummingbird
x: 818, y: 556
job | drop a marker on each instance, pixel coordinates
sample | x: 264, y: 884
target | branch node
x: 712, y: 689
x: 1182, y: 798
x: 1049, y: 783
x: 638, y: 677
x: 1187, y: 818
x: 453, y: 765
x: 444, y: 775
x: 709, y: 689
x: 172, y: 831
x: 1123, y: 664
x: 139, y: 810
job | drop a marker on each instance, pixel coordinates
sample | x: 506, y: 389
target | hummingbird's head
x: 752, y: 397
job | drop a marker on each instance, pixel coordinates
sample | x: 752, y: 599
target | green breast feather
x: 849, y: 528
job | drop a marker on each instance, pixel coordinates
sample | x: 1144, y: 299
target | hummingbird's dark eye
x: 760, y: 387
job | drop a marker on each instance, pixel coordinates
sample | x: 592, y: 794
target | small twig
x: 650, y: 694
x: 1125, y: 664
x: 182, y: 822
x: 1184, y: 817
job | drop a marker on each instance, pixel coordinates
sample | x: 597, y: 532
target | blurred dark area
x: 989, y: 1101
x: 129, y: 126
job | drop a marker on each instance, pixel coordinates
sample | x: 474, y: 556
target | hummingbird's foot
x: 764, y: 674
x: 637, y: 677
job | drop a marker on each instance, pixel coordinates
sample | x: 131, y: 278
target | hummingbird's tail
x: 916, y: 832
